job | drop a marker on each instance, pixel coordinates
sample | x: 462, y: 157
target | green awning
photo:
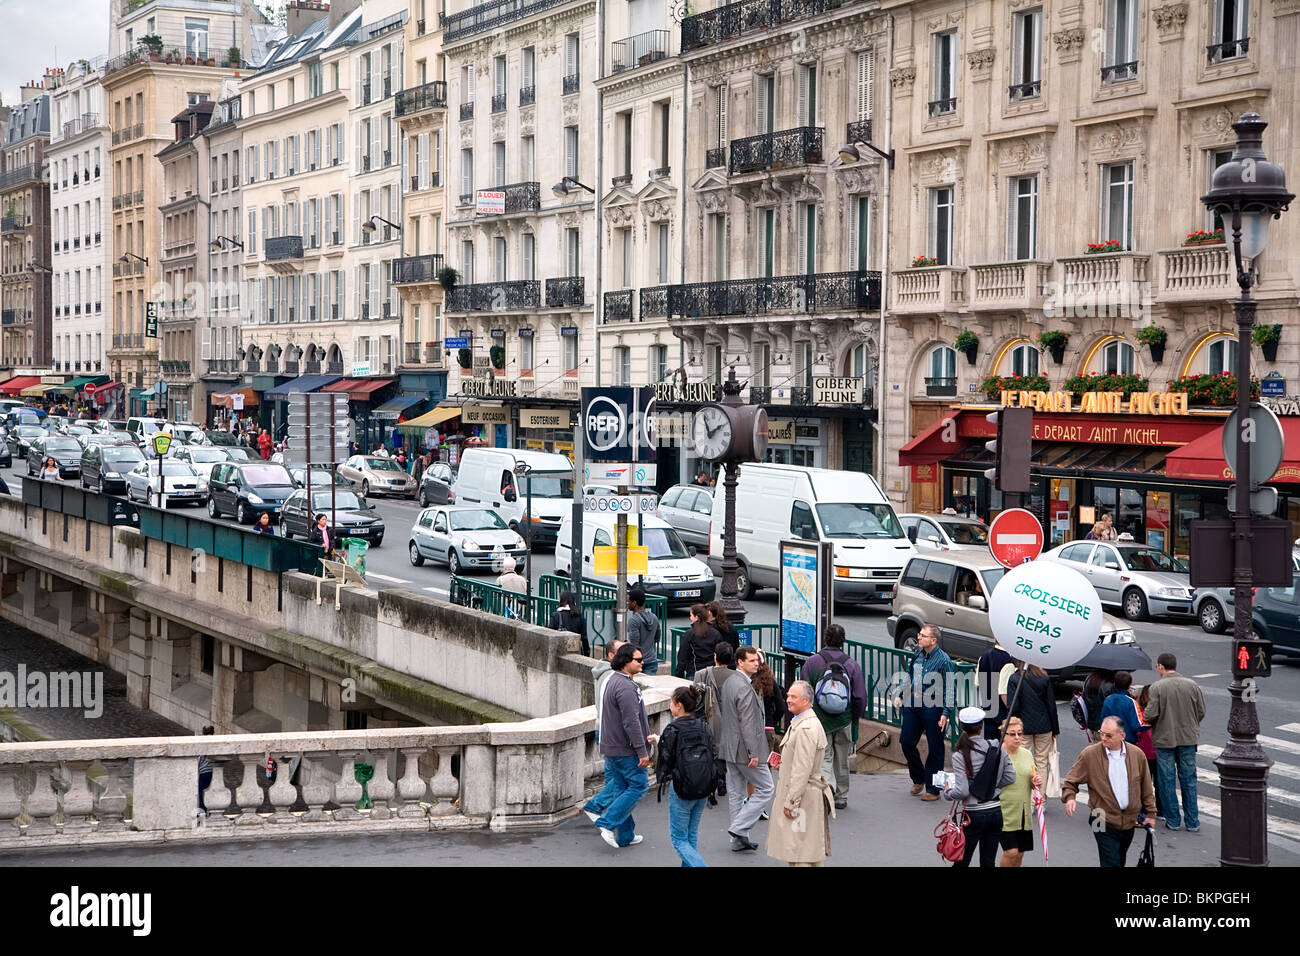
x: 77, y: 384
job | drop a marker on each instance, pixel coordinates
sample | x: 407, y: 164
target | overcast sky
x: 48, y: 33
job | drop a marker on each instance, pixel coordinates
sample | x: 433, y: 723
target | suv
x: 951, y: 589
x: 104, y: 466
x: 248, y: 489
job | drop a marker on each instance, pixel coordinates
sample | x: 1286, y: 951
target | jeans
x: 1113, y: 844
x: 625, y: 784
x: 1154, y: 766
x: 745, y: 814
x: 983, y: 828
x: 205, y: 779
x: 684, y: 827
x: 918, y: 720
x: 835, y: 765
x: 651, y: 668
x: 1178, y: 764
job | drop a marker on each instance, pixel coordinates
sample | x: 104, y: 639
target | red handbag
x: 951, y: 834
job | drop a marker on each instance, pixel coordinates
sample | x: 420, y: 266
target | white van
x: 847, y: 508
x: 487, y: 477
x: 675, y: 573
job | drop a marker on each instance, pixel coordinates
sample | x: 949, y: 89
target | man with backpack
x: 686, y: 768
x: 839, y: 700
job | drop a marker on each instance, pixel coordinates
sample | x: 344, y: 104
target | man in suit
x: 744, y: 748
x: 1119, y: 786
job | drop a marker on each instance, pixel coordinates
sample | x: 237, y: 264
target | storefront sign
x: 1283, y: 406
x: 1100, y: 430
x: 829, y: 390
x: 536, y: 444
x: 485, y: 415
x: 675, y: 427
x: 780, y: 431
x: 497, y: 333
x: 489, y: 387
x: 1113, y: 403
x: 543, y: 418
x: 525, y: 333
x: 680, y: 392
x: 924, y: 474
x: 569, y: 331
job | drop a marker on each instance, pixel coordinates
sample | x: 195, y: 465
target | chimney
x: 339, y: 10
x: 300, y: 13
x: 30, y: 91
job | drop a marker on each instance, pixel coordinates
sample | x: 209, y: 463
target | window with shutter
x: 356, y: 219
x: 807, y: 96
x: 406, y: 165
x: 571, y: 54
x: 499, y: 164
x: 571, y: 151
x: 467, y: 172
x: 866, y: 82
x: 422, y: 160
x: 720, y: 116
x: 373, y: 278
x: 528, y: 256
x: 763, y: 105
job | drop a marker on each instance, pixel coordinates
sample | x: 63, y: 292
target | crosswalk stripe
x: 1278, y: 769
x: 1277, y: 829
x: 438, y: 590
x: 385, y: 577
x: 1274, y: 794
x: 1289, y: 728
x: 1203, y: 676
x: 1277, y: 743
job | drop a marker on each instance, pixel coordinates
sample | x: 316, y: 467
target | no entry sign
x: 1015, y: 537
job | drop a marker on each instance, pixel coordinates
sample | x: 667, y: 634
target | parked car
x: 945, y: 532
x: 104, y: 465
x: 74, y: 431
x: 182, y: 485
x: 111, y: 425
x: 689, y: 510
x: 104, y: 438
x: 239, y: 453
x: 186, y: 433
x: 202, y: 457
x: 1277, y: 617
x: 1141, y: 580
x: 349, y: 514
x: 487, y: 478
x: 248, y: 489
x: 952, y: 589
x: 64, y: 450
x: 219, y: 436
x: 378, y: 476
x: 435, y: 485
x: 1215, y: 608
x: 673, y: 570
x: 20, y: 439
x: 464, y: 538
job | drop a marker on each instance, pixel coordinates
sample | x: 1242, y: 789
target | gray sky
x: 35, y: 30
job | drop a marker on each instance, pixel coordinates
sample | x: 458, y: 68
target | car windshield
x: 962, y: 532
x: 207, y: 455
x: 345, y: 499
x: 235, y: 453
x: 845, y: 520
x: 550, y: 486
x: 266, y: 475
x: 383, y: 464
x: 480, y: 519
x: 991, y: 578
x: 123, y: 453
x: 30, y: 431
x: 148, y: 427
x: 663, y: 543
x: 62, y: 444
x: 172, y: 469
x: 1148, y: 559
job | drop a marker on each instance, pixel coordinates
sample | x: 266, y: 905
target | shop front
x: 545, y: 429
x: 363, y: 395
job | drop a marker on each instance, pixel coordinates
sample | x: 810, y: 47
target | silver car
x: 381, y: 476
x: 1142, y: 581
x: 945, y: 532
x: 465, y: 538
x: 184, y: 484
x: 1215, y: 607
x: 689, y: 510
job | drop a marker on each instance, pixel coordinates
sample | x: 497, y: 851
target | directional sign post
x: 1015, y: 537
x: 318, y: 432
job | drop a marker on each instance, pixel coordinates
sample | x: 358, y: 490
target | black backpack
x: 984, y: 785
x: 694, y: 760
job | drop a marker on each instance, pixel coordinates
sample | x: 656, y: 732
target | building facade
x: 26, y: 309
x: 220, y: 343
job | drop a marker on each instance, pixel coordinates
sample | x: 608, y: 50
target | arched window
x: 1024, y: 359
x: 943, y: 362
x: 1117, y: 358
x: 1221, y: 356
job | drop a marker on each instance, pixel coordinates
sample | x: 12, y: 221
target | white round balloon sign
x: 1046, y: 613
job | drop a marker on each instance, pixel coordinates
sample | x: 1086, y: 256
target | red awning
x: 358, y: 389
x: 16, y: 385
x: 933, y: 444
x: 1203, y: 457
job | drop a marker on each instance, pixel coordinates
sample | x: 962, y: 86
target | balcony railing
x: 1009, y: 285
x: 175, y: 369
x: 816, y: 292
x: 29, y: 173
x: 938, y: 387
x: 747, y: 16
x: 944, y: 106
x: 9, y: 317
x: 291, y: 366
x: 433, y: 353
x: 498, y: 102
x: 13, y: 224
x: 1111, y: 275
x: 571, y: 83
x: 132, y: 267
x: 624, y: 180
x: 640, y: 50
x: 413, y: 269
x: 930, y: 289
x: 411, y: 353
x: 1024, y: 91
x: 272, y: 366
x: 527, y: 95
x: 653, y: 302
x: 283, y: 247
x: 494, y: 296
x: 1231, y: 50
x: 1119, y: 72
x: 430, y: 96
x: 488, y: 16
x: 311, y: 367
x: 790, y: 147
x: 565, y: 293
x: 1197, y: 273
x: 466, y: 111
x: 333, y: 368
x: 128, y: 134
x: 760, y: 394
x: 128, y: 340
x: 520, y: 197
x: 714, y: 158
x: 858, y: 132
x: 618, y: 306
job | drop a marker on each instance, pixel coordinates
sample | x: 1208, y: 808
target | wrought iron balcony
x: 466, y: 111
x: 1230, y: 50
x: 858, y: 132
x: 433, y: 353
x: 291, y: 366
x: 488, y: 16
x: 9, y: 317
x: 801, y: 395
x: 715, y: 158
x: 943, y: 107
x: 618, y: 306
x: 653, y: 302
x: 14, y: 223
x: 640, y: 50
x: 790, y: 147
x: 565, y: 293
x: 128, y: 340
x: 494, y: 296
x: 413, y: 269
x: 498, y: 102
x: 747, y: 16
x: 29, y: 173
x: 1119, y: 72
x: 941, y: 387
x: 273, y: 366
x: 1025, y: 91
x: 520, y: 197
x: 571, y: 83
x: 333, y: 368
x: 311, y: 367
x: 527, y: 95
x: 411, y: 353
x: 760, y: 394
x: 815, y: 292
x: 175, y: 369
x: 283, y: 247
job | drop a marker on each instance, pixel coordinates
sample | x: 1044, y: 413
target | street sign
x: 1015, y: 537
x: 631, y: 476
x: 160, y: 388
x: 605, y: 559
x: 1252, y: 657
x: 1263, y: 435
x: 1273, y: 384
x: 318, y: 428
x: 1262, y: 502
x: 620, y: 504
x: 151, y: 319
x: 618, y: 424
x: 455, y: 343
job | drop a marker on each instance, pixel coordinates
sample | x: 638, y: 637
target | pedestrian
x: 205, y: 773
x: 1119, y: 790
x: 601, y: 674
x: 417, y: 469
x: 643, y: 629
x: 320, y: 533
x: 1148, y: 748
x: 1121, y: 704
x: 686, y: 768
x: 926, y: 701
x: 627, y: 740
x: 839, y: 701
x: 381, y: 452
x: 1097, y: 686
x: 1017, y: 798
x: 978, y: 791
x: 718, y: 618
x: 568, y: 617
x: 264, y: 444
x: 1175, y: 710
x: 698, y: 643
x: 744, y: 748
x: 995, y: 668
x: 773, y: 700
x: 263, y: 524
x: 1035, y: 706
x: 510, y: 579
x: 50, y: 470
x: 801, y: 834
x: 709, y: 682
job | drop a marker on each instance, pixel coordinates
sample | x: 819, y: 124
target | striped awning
x: 36, y: 391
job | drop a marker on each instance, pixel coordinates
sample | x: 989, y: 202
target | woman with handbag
x: 980, y: 771
x: 1036, y: 707
x: 1017, y: 800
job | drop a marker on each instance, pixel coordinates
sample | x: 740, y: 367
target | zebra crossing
x: 1283, y: 747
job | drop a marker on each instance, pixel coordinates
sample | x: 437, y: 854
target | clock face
x: 759, y: 446
x: 711, y: 432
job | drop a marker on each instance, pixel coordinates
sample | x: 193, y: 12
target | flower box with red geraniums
x: 994, y: 385
x: 1217, y: 390
x: 1101, y: 248
x: 922, y: 262
x: 1201, y: 237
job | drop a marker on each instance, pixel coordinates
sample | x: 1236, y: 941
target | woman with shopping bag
x: 1017, y: 837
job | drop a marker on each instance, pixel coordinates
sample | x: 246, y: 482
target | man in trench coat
x: 800, y: 831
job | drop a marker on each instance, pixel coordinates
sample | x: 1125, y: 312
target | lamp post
x: 1247, y: 192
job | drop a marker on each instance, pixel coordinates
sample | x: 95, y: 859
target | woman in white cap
x: 978, y: 791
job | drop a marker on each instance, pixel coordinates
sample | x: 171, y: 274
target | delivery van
x: 846, y: 508
x: 675, y: 573
x: 487, y: 477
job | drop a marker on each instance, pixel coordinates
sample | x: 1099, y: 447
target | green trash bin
x: 354, y: 554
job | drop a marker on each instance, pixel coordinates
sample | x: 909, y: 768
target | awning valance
x: 303, y: 383
x: 358, y: 389
x: 394, y: 407
x: 431, y: 418
x: 36, y: 391
x: 15, y: 385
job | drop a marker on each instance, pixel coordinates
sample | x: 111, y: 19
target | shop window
x: 1221, y: 356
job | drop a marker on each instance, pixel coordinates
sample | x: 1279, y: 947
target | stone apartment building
x: 26, y: 287
x: 1026, y: 131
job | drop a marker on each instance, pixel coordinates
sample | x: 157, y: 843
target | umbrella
x: 1116, y: 657
x: 1042, y: 820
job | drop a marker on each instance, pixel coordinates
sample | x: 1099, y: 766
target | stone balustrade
x: 1192, y: 273
x: 1115, y: 274
x: 930, y: 289
x: 1009, y: 285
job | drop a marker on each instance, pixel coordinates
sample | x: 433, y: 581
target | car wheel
x: 377, y: 541
x: 424, y: 499
x: 453, y: 563
x: 242, y: 514
x: 1212, y: 617
x: 213, y: 510
x: 744, y: 588
x: 365, y: 486
x: 905, y: 639
x: 284, y: 527
x: 1135, y: 605
x: 417, y: 559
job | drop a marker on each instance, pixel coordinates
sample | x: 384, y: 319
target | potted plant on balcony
x: 1201, y: 237
x: 173, y: 55
x: 1219, y: 390
x: 1055, y: 342
x: 1266, y: 337
x: 189, y: 59
x: 924, y: 262
x: 465, y: 358
x: 497, y: 354
x: 1095, y: 382
x: 235, y: 56
x: 1103, y: 248
x: 448, y: 277
x: 1154, y: 336
x: 153, y: 43
x: 968, y: 342
x: 994, y: 385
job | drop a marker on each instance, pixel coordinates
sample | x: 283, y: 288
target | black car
x: 64, y: 450
x: 1277, y: 617
x: 435, y: 485
x: 104, y: 465
x: 248, y: 489
x: 20, y: 439
x: 352, y: 517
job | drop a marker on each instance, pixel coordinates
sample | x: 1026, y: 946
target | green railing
x: 598, y: 612
x: 550, y: 586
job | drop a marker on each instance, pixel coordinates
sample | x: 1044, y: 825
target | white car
x: 1141, y: 580
x: 465, y: 539
x: 945, y: 532
x: 186, y: 433
x: 673, y: 573
x: 184, y: 484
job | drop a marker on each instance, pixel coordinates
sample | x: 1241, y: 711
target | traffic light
x: 1252, y: 657
x: 1012, y: 450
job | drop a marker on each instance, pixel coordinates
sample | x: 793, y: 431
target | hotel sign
x: 830, y: 390
x: 1112, y: 403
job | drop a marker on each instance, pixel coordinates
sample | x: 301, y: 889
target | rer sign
x: 1015, y: 537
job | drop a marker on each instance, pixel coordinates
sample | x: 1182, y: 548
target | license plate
x: 359, y: 531
x: 884, y: 594
x: 695, y: 592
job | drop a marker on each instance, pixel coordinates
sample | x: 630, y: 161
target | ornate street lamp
x: 1247, y: 192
